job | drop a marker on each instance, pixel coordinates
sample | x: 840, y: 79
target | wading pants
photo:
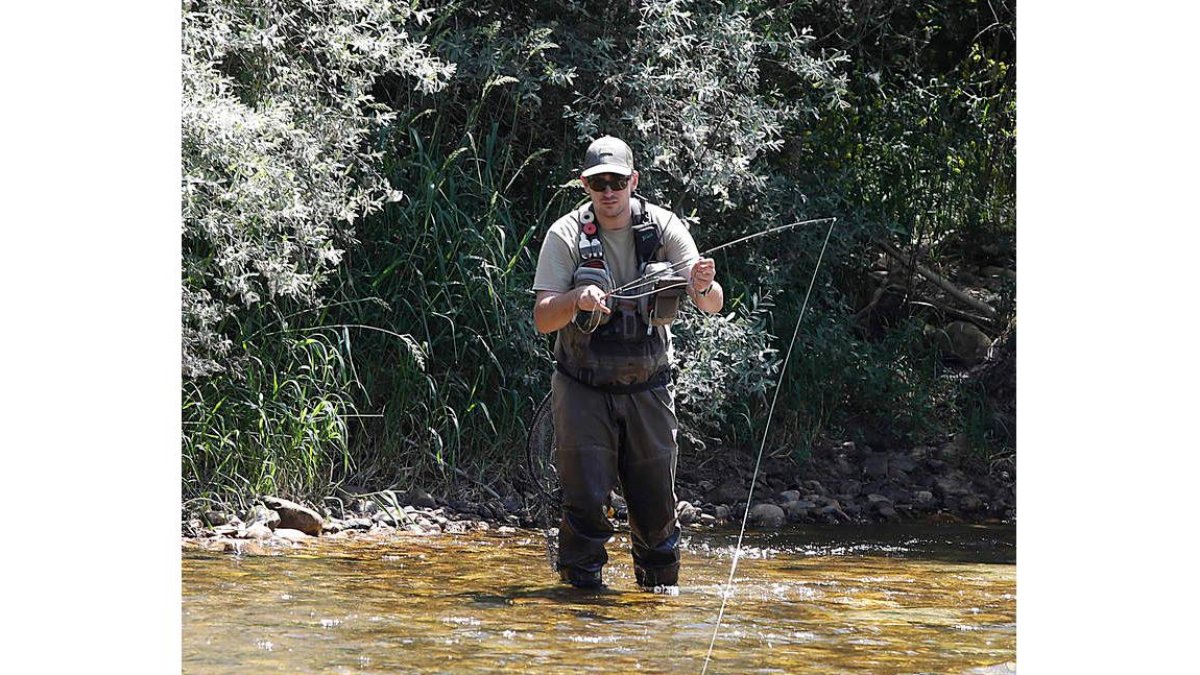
x: 602, y: 438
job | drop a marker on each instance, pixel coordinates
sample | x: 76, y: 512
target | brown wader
x: 602, y: 438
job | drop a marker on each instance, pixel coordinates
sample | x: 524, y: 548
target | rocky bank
x: 839, y: 484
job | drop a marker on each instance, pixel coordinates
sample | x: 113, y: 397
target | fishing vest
x: 627, y: 352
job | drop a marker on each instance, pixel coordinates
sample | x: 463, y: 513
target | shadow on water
x: 956, y: 543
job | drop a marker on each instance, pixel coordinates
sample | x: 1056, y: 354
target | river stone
x: 259, y: 514
x: 814, y: 486
x: 951, y: 486
x: 970, y: 503
x: 888, y: 513
x: 797, y: 511
x: 721, y: 512
x: 290, y: 534
x: 875, y: 465
x: 968, y: 343
x: 730, y: 491
x: 789, y: 496
x: 876, y: 500
x: 708, y: 520
x: 294, y: 516
x: 852, y: 488
x: 687, y: 513
x: 256, y: 531
x: 215, y: 518
x: 767, y: 515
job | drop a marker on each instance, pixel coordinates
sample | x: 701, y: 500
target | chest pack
x: 660, y: 297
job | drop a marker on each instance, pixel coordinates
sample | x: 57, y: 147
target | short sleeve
x: 555, y: 265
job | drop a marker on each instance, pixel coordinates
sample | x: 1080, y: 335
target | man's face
x: 610, y: 193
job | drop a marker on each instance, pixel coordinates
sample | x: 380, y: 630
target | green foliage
x: 278, y: 427
x: 276, y: 107
x: 366, y: 184
x: 726, y: 365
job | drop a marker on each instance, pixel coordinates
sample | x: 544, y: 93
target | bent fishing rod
x: 651, y: 278
x: 737, y: 553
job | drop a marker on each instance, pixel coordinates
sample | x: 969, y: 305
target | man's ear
x: 633, y: 181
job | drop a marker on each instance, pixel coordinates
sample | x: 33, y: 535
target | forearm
x: 711, y: 302
x: 553, y: 310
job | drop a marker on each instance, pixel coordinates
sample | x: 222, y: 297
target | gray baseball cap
x: 608, y: 154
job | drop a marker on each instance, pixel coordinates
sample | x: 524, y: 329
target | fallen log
x: 950, y: 288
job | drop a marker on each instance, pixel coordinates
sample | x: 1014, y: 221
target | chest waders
x: 614, y: 416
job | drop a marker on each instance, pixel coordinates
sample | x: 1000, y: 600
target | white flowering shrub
x: 278, y: 118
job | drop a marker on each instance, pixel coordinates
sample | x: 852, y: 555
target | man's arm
x: 554, y: 310
x: 701, y: 276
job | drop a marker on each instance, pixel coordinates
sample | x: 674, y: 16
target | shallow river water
x: 900, y: 599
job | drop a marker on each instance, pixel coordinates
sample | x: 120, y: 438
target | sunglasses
x: 604, y: 181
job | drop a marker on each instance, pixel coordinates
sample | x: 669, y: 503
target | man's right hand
x: 591, y: 298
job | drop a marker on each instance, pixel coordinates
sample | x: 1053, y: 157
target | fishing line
x: 757, y: 462
x: 648, y: 279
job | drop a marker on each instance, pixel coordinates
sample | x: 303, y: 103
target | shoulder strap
x: 647, y: 232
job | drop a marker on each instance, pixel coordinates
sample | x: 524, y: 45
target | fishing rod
x: 651, y: 278
x: 737, y: 553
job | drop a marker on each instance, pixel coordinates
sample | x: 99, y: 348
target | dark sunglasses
x: 604, y: 181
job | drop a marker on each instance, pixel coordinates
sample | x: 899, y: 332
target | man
x: 612, y: 399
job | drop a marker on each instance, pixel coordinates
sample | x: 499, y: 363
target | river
x: 872, y: 600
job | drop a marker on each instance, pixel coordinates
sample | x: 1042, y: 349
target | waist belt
x: 659, y: 379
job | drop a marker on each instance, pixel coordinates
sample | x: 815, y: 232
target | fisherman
x: 612, y: 398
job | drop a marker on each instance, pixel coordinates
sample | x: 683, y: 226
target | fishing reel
x: 661, y: 307
x: 593, y: 273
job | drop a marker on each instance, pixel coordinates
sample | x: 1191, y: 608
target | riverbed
x: 902, y: 598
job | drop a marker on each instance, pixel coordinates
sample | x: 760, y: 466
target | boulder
x: 294, y: 516
x: 730, y: 491
x: 767, y: 515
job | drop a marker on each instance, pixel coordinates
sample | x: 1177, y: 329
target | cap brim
x: 608, y: 168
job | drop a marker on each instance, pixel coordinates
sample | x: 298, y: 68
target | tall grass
x: 451, y: 265
x: 278, y: 426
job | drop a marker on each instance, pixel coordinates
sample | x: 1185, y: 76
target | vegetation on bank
x: 366, y: 184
